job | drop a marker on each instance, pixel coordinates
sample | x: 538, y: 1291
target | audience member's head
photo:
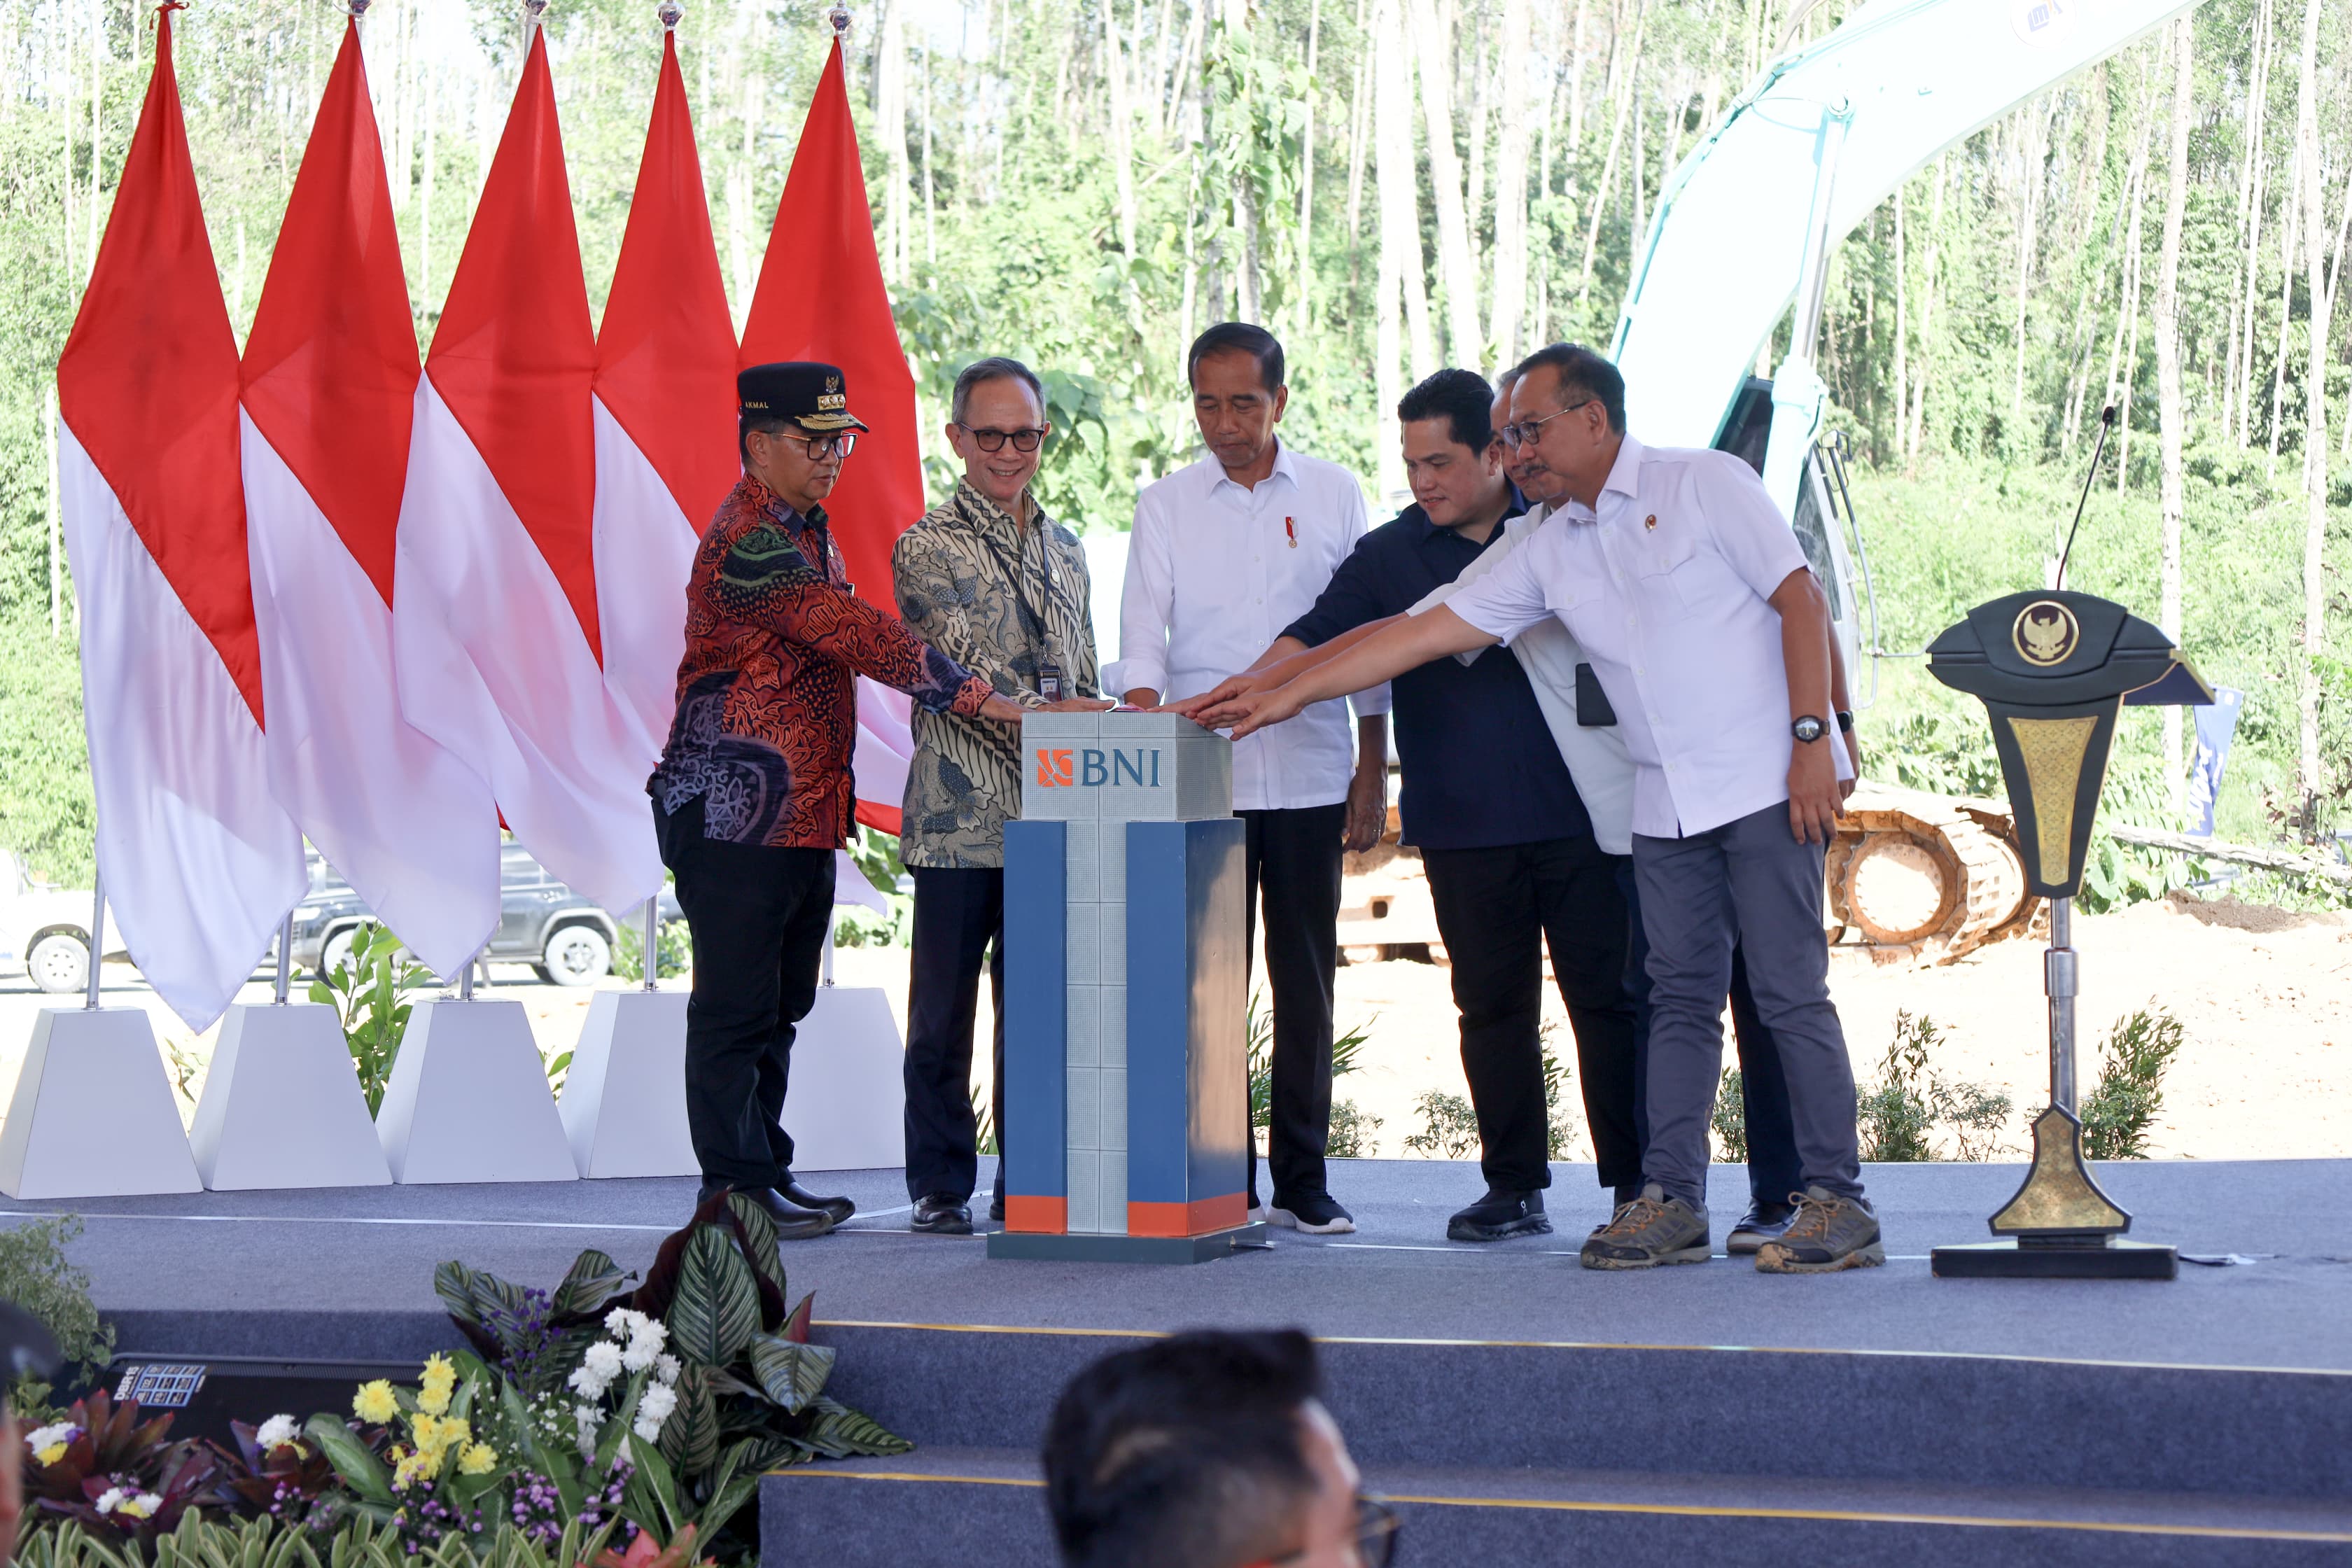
x: 1206, y: 1450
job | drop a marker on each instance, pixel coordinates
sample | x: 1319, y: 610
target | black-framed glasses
x: 1376, y: 1535
x: 1527, y: 432
x: 994, y: 440
x: 840, y: 443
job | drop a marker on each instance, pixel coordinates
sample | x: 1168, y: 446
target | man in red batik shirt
x: 753, y: 792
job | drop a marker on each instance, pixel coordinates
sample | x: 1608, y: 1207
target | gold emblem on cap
x: 2045, y: 634
x: 833, y: 383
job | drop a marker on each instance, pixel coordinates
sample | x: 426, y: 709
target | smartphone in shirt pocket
x: 1592, y: 710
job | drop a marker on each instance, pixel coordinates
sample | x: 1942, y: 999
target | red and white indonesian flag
x: 498, y: 634
x: 821, y: 297
x: 200, y: 863
x: 665, y: 412
x: 329, y: 387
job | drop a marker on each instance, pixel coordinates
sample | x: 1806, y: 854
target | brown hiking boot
x: 1829, y: 1233
x: 1651, y: 1230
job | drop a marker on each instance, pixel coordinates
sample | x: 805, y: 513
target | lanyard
x: 1049, y: 672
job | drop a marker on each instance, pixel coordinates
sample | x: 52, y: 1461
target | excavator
x: 1826, y: 132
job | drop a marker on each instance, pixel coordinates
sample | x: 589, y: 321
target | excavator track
x: 1926, y: 878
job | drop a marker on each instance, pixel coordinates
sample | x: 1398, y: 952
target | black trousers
x: 1292, y: 861
x: 758, y: 916
x: 1774, y: 1168
x: 958, y: 915
x: 1495, y: 906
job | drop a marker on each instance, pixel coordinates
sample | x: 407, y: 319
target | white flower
x: 585, y: 1419
x: 621, y: 1322
x: 666, y: 1368
x: 644, y: 1346
x: 658, y: 1401
x: 603, y: 1359
x: 278, y: 1432
x: 48, y: 1436
x: 110, y: 1499
x: 585, y: 1381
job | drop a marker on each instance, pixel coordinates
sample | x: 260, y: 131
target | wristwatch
x: 1809, y: 728
x: 1845, y: 721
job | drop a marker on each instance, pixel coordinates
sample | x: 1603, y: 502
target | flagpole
x: 96, y: 927
x: 285, y: 958
x: 532, y: 13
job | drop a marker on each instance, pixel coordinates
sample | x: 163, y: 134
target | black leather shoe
x: 996, y: 1208
x: 1760, y: 1224
x: 792, y: 1222
x: 942, y: 1214
x: 839, y: 1208
x: 1499, y: 1214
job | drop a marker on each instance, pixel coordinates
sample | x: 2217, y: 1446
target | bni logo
x: 1085, y: 768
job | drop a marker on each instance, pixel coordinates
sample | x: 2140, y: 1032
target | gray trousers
x: 1751, y: 881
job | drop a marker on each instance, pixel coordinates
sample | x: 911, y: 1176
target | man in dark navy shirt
x: 1503, y: 836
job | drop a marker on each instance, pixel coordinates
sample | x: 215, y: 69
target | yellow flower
x: 439, y: 1382
x: 479, y: 1459
x: 50, y: 1455
x: 136, y: 1506
x: 374, y: 1403
x: 427, y: 1430
x: 415, y: 1467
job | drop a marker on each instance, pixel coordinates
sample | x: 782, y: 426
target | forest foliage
x: 1390, y: 185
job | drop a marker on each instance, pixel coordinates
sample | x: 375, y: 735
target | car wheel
x: 577, y: 955
x: 337, y: 950
x: 60, y: 962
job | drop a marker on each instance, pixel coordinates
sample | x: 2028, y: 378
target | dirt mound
x: 2229, y: 910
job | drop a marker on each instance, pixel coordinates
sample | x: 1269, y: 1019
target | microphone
x: 2107, y: 423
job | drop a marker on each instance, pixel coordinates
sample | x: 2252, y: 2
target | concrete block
x: 845, y: 1105
x: 1114, y: 1026
x: 469, y: 1100
x: 1114, y: 944
x: 1126, y: 729
x: 624, y: 1101
x: 1142, y: 803
x: 1114, y: 1194
x: 93, y: 1115
x: 1060, y: 727
x: 1083, y: 946
x: 1083, y: 1183
x: 281, y: 1106
x: 1114, y: 1109
x: 1082, y: 859
x: 1204, y: 777
x: 1082, y: 1020
x: 1083, y: 1103
x: 1111, y: 848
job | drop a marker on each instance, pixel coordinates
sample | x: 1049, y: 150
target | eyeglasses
x: 819, y: 448
x: 1527, y: 432
x: 1375, y: 1537
x: 994, y: 440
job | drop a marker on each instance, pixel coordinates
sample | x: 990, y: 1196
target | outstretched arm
x: 1286, y: 660
x: 1393, y: 649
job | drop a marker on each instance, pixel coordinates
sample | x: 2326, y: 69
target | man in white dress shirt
x: 1225, y: 553
x: 1710, y: 638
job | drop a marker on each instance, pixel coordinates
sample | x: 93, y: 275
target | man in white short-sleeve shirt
x: 1226, y: 552
x: 1710, y: 637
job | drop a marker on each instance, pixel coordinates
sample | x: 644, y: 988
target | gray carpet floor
x: 182, y: 1273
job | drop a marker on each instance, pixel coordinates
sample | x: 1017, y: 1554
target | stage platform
x: 1532, y: 1410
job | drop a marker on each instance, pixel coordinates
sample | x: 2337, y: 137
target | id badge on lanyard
x: 1049, y: 682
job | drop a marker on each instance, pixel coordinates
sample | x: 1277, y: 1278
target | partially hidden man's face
x: 1235, y: 410
x: 1324, y: 1535
x: 780, y: 459
x: 1002, y: 407
x: 1515, y: 466
x: 1451, y: 481
x: 1571, y: 451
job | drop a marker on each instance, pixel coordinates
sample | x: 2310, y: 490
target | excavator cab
x: 1825, y: 524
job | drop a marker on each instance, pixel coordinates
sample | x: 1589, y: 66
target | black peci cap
x: 812, y: 394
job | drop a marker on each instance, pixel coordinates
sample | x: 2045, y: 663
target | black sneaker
x: 942, y: 1214
x: 1498, y: 1214
x: 1316, y: 1214
x: 1763, y: 1222
x: 839, y: 1208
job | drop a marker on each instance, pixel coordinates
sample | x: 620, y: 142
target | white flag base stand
x: 469, y: 1100
x: 282, y: 1108
x: 93, y: 1115
x: 624, y: 1103
x: 845, y: 1105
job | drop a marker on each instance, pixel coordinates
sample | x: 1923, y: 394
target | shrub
x: 1258, y: 1023
x: 2123, y: 1105
x: 373, y: 995
x: 1895, y: 1116
x: 36, y: 1274
x: 1449, y: 1128
x: 1730, y: 1117
x: 1560, y: 1112
x: 672, y: 950
x: 1351, y: 1132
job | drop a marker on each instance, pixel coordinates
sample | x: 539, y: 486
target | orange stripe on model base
x: 1050, y: 1216
x: 1196, y: 1219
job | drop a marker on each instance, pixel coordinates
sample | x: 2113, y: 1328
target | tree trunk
x: 1599, y: 199
x: 1576, y: 84
x: 2028, y: 187
x: 1303, y: 307
x: 1359, y: 108
x: 1929, y: 266
x: 55, y: 518
x: 66, y: 178
x: 2249, y: 213
x: 1399, y: 198
x: 2167, y: 383
x: 2254, y: 228
x: 1122, y: 141
x: 1455, y: 274
x: 890, y: 125
x: 1482, y: 110
x: 2315, y: 440
x: 1510, y: 290
x: 97, y: 135
x: 2288, y: 232
x: 1387, y: 346
x: 1902, y: 328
